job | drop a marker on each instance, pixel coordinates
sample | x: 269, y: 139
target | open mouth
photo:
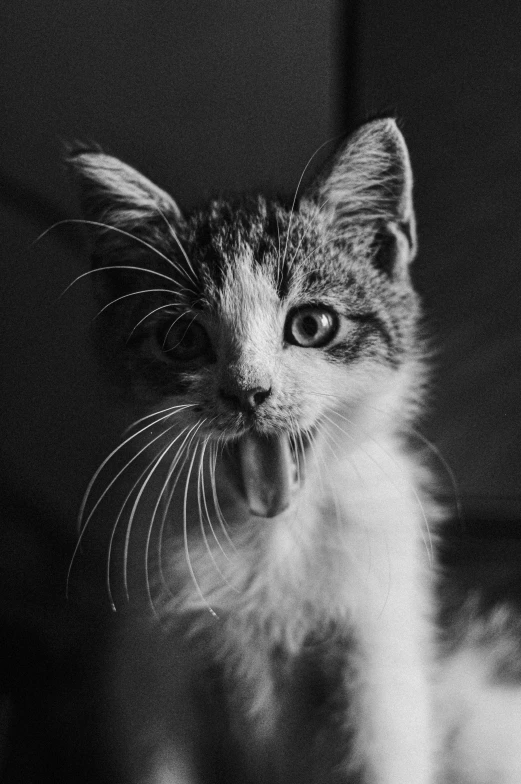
x: 268, y: 470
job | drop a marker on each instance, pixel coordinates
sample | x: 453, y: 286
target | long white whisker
x: 112, y: 454
x: 338, y: 515
x: 147, y: 549
x: 135, y: 505
x: 328, y: 141
x: 429, y: 544
x: 174, y: 322
x: 207, y: 511
x: 119, y: 267
x: 440, y: 457
x: 446, y: 465
x: 175, y: 408
x: 150, y: 528
x: 82, y: 526
x: 312, y: 443
x: 118, y: 230
x: 278, y: 243
x: 180, y: 246
x: 116, y: 525
x: 203, y: 503
x: 181, y: 454
x: 185, y: 536
x: 217, y: 506
x: 134, y: 294
x: 148, y: 315
x: 294, y: 437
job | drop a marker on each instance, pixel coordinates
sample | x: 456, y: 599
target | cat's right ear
x: 120, y: 205
x: 367, y: 190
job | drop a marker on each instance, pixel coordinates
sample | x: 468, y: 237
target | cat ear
x: 110, y: 189
x: 369, y: 187
x: 119, y: 204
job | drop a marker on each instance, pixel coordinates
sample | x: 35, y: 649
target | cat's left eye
x: 184, y: 340
x: 311, y: 327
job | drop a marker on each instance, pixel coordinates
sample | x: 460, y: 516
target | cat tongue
x: 267, y: 470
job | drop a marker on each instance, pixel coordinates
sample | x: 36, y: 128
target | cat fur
x: 299, y: 647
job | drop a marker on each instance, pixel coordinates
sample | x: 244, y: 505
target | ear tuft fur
x: 113, y: 192
x: 131, y: 222
x: 369, y: 183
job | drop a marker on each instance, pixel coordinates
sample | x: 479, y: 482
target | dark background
x: 235, y: 95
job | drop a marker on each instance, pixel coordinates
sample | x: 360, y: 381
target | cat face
x: 262, y: 320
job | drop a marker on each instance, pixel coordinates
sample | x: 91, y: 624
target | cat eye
x: 184, y: 340
x: 311, y: 327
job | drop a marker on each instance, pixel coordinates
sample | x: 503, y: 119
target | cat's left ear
x: 368, y: 188
x: 113, y: 195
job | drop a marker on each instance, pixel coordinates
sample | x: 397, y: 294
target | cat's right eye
x: 311, y: 326
x: 184, y: 340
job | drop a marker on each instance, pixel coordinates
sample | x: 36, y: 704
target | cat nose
x: 246, y: 399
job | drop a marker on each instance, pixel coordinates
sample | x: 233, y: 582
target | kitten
x: 274, y: 529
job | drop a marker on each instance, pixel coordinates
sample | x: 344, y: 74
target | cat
x: 269, y: 519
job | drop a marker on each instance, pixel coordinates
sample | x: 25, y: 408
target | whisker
x: 207, y: 511
x: 217, y: 506
x: 441, y: 459
x: 150, y: 528
x: 328, y: 141
x: 176, y: 407
x: 152, y: 520
x: 316, y: 249
x: 428, y: 544
x: 338, y: 514
x: 174, y: 322
x: 151, y: 313
x: 312, y: 443
x: 112, y: 454
x: 201, y: 503
x: 116, y: 525
x: 82, y: 526
x: 147, y: 549
x: 118, y: 267
x: 302, y: 450
x: 431, y: 446
x: 446, y: 465
x: 295, y: 254
x: 135, y: 505
x: 181, y: 454
x: 293, y: 435
x: 134, y: 294
x: 278, y: 244
x: 179, y: 244
x: 185, y: 537
x: 171, y: 469
x: 118, y: 230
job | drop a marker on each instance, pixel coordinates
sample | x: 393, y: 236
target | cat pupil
x: 309, y: 326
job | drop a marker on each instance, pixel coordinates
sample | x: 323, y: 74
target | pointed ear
x: 368, y: 187
x: 111, y: 190
x: 119, y: 197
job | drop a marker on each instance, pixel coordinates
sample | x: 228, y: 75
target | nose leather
x: 247, y: 400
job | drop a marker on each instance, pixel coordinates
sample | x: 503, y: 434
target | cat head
x: 264, y: 321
